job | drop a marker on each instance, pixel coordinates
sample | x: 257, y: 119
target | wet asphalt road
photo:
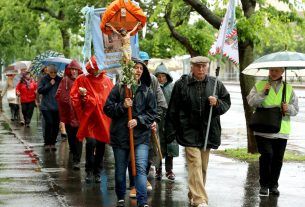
x: 31, y: 177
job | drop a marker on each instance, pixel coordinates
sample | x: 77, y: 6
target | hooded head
x: 73, y: 65
x: 145, y: 77
x: 162, y: 69
x: 144, y: 57
x: 91, y: 65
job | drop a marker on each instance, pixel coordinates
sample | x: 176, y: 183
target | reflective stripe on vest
x: 274, y: 99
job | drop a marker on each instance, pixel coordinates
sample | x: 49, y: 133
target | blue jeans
x: 121, y: 157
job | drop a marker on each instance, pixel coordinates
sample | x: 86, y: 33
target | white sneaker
x: 202, y: 205
x: 148, y: 186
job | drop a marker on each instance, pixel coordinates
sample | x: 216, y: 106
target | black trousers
x: 52, y: 126
x: 271, y: 160
x: 14, y: 111
x: 168, y: 163
x: 76, y: 147
x: 27, y: 111
x: 95, y: 151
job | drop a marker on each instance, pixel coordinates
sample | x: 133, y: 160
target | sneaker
x: 263, y: 191
x: 148, y: 186
x: 170, y: 175
x: 97, y: 178
x: 158, y: 175
x: 21, y: 123
x: 192, y: 202
x: 274, y: 191
x: 76, y: 166
x: 202, y: 205
x: 132, y: 192
x: 89, y: 176
x: 120, y: 203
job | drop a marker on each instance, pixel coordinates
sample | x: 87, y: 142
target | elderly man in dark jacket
x: 187, y: 119
x: 49, y: 108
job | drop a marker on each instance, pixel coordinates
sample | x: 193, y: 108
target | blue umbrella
x: 59, y: 62
x: 36, y: 65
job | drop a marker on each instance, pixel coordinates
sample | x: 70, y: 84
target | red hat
x: 92, y: 64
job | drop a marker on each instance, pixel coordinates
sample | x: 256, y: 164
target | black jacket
x: 144, y: 110
x: 188, y: 112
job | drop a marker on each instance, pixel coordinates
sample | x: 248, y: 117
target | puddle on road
x: 52, y: 170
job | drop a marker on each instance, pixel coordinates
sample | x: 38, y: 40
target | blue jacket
x: 48, y: 92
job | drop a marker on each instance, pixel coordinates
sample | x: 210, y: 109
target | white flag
x: 227, y: 40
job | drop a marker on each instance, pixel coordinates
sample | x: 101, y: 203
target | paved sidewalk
x: 36, y: 178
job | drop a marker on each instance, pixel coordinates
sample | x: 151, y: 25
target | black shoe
x: 143, y: 205
x: 274, y: 191
x: 47, y: 148
x: 120, y: 203
x: 263, y: 191
x: 53, y: 148
x: 76, y: 166
x: 89, y: 176
x: 63, y: 137
x: 158, y: 175
x: 97, y: 178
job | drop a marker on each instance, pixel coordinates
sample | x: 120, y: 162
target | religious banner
x: 107, y: 48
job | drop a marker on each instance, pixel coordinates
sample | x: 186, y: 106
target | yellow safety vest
x: 274, y: 99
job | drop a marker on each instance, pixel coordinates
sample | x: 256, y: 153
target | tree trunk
x: 246, y: 84
x: 65, y: 42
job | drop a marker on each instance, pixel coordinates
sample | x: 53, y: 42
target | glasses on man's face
x: 53, y: 72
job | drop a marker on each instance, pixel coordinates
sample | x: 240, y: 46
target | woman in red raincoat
x: 67, y: 114
x: 88, y: 94
x: 26, y: 89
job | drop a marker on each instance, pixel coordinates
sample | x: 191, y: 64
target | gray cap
x: 199, y: 60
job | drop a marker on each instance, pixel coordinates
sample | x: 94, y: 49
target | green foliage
x: 243, y: 155
x: 159, y: 41
x: 27, y: 31
x: 30, y: 27
x: 127, y: 76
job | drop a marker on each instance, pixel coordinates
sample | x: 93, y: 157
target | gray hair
x: 52, y: 67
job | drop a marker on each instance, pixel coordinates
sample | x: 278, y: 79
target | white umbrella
x: 293, y: 62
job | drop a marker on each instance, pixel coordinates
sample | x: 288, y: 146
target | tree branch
x: 43, y: 9
x: 205, y: 12
x: 183, y: 40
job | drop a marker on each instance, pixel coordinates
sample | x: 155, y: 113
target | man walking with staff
x: 187, y: 122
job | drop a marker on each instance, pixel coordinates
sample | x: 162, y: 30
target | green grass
x: 5, y: 180
x: 6, y: 126
x: 243, y: 155
x: 4, y: 191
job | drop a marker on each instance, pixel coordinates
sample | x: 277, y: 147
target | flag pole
x: 211, y: 107
x: 225, y: 24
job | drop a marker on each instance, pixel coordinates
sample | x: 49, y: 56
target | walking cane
x: 156, y: 142
x: 128, y: 94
